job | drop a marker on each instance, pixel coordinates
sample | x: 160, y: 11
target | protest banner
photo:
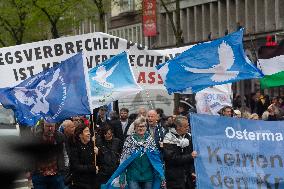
x: 212, y: 99
x: 237, y: 153
x: 20, y: 62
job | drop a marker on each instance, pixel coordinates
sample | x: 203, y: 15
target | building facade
x: 203, y: 20
x: 126, y: 21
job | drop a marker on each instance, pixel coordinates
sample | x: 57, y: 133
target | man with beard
x: 120, y: 127
x: 49, y: 171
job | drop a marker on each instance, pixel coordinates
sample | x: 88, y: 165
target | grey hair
x: 178, y: 120
x: 141, y: 109
x: 66, y: 123
x: 139, y: 120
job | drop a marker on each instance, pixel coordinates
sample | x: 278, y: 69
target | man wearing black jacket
x: 102, y: 119
x: 179, y: 155
x: 120, y: 127
x: 108, y: 155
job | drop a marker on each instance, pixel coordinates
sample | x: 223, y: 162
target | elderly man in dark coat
x: 179, y: 155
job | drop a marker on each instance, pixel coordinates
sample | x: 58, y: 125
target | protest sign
x: 212, y: 99
x: 237, y: 153
x: 20, y: 62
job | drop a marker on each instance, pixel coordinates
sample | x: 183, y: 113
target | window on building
x: 122, y: 34
x: 139, y: 40
x: 134, y: 34
x: 130, y: 34
x: 117, y: 33
x: 126, y: 34
x: 127, y: 5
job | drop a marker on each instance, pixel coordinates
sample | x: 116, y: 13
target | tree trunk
x: 178, y: 34
x: 100, y: 6
x: 54, y: 30
x: 102, y: 21
x: 179, y: 39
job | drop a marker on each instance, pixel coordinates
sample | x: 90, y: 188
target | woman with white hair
x: 140, y: 165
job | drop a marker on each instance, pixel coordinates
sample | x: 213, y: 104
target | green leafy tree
x: 62, y: 15
x: 24, y: 21
x: 102, y: 13
x: 13, y: 21
x: 97, y: 11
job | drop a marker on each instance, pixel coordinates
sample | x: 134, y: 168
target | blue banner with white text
x: 238, y: 153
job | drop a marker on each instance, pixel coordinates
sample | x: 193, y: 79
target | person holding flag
x: 82, y: 160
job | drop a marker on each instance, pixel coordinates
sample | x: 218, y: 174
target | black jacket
x: 117, y: 129
x: 82, y: 165
x: 51, y: 150
x: 69, y: 144
x: 179, y: 164
x: 109, y: 154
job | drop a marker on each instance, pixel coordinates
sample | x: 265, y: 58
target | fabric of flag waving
x: 207, y: 64
x: 54, y: 94
x: 112, y: 80
x: 271, y: 62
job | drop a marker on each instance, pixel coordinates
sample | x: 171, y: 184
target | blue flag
x: 237, y: 153
x: 154, y: 158
x: 112, y: 80
x: 211, y: 63
x: 54, y: 94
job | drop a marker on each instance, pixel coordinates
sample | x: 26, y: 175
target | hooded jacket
x: 179, y: 164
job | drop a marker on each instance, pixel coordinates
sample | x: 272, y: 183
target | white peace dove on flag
x: 102, y: 75
x: 221, y: 73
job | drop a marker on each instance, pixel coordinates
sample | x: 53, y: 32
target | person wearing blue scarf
x: 140, y: 164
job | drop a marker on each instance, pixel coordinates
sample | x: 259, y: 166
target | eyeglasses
x: 140, y: 126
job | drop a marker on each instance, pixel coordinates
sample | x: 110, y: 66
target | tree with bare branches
x: 177, y: 32
x: 174, y: 23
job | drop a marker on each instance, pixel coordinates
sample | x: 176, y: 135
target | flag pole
x: 95, y: 111
x: 95, y: 157
x: 254, y: 50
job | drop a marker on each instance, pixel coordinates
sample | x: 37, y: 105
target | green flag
x: 271, y: 62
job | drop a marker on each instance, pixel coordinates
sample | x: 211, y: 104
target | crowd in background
x: 259, y: 107
x: 88, y: 152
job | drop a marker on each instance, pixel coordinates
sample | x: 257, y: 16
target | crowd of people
x: 87, y: 155
x: 91, y: 155
x: 259, y: 107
